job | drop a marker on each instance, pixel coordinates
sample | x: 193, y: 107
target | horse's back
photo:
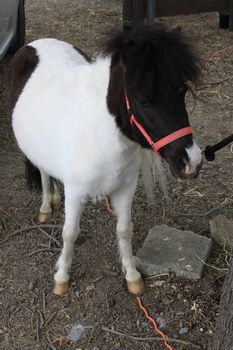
x: 51, y: 54
x: 56, y: 52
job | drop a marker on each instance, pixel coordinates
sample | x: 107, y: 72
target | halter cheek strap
x: 156, y: 146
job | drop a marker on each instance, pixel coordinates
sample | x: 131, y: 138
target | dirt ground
x: 31, y: 317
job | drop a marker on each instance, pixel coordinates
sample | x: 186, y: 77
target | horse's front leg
x: 73, y: 211
x: 121, y: 201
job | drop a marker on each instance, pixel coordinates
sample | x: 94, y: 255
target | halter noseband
x: 156, y: 146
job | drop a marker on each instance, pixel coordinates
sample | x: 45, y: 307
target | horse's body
x: 72, y: 94
x: 70, y: 120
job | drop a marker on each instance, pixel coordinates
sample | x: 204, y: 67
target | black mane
x: 155, y: 58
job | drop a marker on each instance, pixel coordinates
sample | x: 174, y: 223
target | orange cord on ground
x: 109, y: 206
x: 154, y: 324
x: 138, y: 299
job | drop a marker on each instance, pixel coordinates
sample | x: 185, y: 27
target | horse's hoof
x: 135, y: 287
x: 61, y: 288
x: 42, y: 218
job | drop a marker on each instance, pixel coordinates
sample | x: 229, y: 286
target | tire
x: 19, y: 37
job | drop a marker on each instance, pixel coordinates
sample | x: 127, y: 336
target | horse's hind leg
x: 73, y: 210
x: 121, y: 201
x: 45, y: 209
x: 51, y: 199
x: 55, y: 199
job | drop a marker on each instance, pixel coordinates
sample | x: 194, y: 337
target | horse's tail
x: 153, y: 171
x: 32, y: 175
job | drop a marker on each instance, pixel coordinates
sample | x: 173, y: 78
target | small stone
x: 77, y: 332
x: 95, y: 348
x: 89, y: 288
x: 31, y: 286
x: 183, y: 330
x: 179, y: 296
x: 161, y: 323
x: 221, y: 230
x: 157, y: 283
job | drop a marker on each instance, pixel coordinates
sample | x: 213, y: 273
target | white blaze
x: 195, y: 158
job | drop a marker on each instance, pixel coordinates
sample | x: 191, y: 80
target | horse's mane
x: 155, y: 58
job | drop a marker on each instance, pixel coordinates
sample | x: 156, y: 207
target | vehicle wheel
x: 19, y: 38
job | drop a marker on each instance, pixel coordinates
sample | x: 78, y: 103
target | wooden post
x: 134, y: 12
x: 223, y: 339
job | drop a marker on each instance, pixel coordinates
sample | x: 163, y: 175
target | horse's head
x: 153, y: 67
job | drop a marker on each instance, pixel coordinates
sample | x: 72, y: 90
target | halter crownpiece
x: 156, y: 146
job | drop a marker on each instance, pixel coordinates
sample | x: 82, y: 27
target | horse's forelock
x: 155, y: 58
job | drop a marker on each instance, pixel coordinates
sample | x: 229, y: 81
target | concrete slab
x: 167, y: 249
x: 221, y: 230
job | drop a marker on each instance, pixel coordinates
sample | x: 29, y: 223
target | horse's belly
x: 111, y: 178
x: 96, y: 172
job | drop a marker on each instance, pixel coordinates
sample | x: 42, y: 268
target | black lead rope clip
x: 209, y: 151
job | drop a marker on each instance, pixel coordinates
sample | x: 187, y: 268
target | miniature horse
x: 84, y: 122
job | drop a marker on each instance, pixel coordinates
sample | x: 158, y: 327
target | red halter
x: 162, y: 142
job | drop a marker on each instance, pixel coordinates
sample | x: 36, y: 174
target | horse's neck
x: 102, y: 85
x: 99, y: 74
x: 116, y: 96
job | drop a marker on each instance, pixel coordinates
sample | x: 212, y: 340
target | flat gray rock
x: 221, y: 230
x: 167, y: 249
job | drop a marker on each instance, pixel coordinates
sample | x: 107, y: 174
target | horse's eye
x: 145, y: 103
x: 182, y: 89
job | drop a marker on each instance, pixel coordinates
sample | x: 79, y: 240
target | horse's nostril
x: 189, y: 169
x: 192, y: 171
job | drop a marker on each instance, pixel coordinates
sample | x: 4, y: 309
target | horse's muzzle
x: 187, y: 172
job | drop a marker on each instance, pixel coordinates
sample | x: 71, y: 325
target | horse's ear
x: 114, y: 43
x: 118, y: 42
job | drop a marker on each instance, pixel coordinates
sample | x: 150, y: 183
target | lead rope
x: 209, y: 151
